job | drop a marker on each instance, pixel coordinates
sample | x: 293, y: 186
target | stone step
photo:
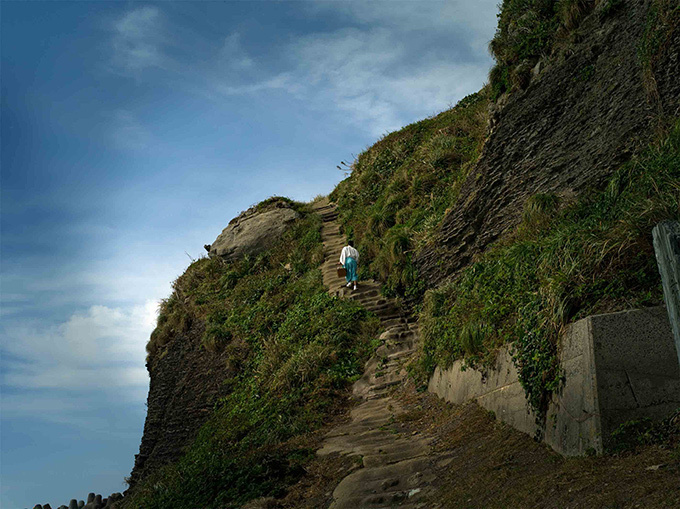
x: 355, y: 442
x: 386, y: 375
x: 395, y: 472
x: 399, y: 355
x: 383, y: 309
x: 379, y: 387
x: 367, y: 298
x: 404, y: 499
x: 390, y: 322
x: 398, y: 334
x: 398, y: 450
x: 390, y: 348
x: 378, y: 395
x: 375, y: 487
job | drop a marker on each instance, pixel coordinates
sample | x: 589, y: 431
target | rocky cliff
x: 185, y: 383
x: 587, y: 110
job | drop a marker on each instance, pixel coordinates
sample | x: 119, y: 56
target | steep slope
x: 396, y: 469
x: 248, y: 355
x: 590, y: 108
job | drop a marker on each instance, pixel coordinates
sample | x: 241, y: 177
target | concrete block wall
x: 617, y: 367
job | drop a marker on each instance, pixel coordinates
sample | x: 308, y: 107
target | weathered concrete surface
x: 667, y: 248
x: 617, y: 367
x: 636, y: 366
x: 252, y: 232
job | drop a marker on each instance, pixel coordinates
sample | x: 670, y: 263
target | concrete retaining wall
x: 617, y: 367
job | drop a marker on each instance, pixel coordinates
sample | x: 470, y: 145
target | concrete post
x: 666, y: 237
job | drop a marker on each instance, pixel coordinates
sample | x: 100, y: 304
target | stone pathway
x: 397, y: 468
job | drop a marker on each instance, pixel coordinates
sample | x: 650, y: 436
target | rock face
x: 253, y: 231
x: 185, y: 384
x: 580, y: 118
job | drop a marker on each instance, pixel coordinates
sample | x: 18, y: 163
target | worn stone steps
x: 397, y: 469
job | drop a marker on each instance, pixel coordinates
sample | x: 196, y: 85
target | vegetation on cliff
x: 564, y: 262
x: 292, y: 351
x: 400, y: 188
x: 531, y: 30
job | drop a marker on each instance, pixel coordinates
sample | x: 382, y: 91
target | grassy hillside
x: 564, y: 262
x: 292, y: 351
x: 400, y: 188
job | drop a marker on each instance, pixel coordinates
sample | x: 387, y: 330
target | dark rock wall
x: 579, y: 119
x: 186, y: 381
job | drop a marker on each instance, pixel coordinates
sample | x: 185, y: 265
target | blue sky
x: 131, y: 133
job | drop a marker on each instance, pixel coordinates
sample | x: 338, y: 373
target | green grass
x: 529, y: 30
x: 631, y: 435
x: 564, y: 262
x: 293, y: 350
x: 663, y: 18
x: 526, y: 31
x: 400, y: 188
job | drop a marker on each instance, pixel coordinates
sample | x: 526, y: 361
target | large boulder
x: 253, y: 231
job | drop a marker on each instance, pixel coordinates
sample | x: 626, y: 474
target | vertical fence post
x: 666, y: 237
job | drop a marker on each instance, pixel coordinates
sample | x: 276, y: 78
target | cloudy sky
x: 132, y: 132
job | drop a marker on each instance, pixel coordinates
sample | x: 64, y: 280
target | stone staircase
x: 393, y: 469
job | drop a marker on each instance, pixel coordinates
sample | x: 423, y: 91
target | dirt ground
x: 484, y: 463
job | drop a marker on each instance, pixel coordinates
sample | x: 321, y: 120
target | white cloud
x: 475, y: 21
x: 389, y: 70
x: 137, y: 40
x: 372, y: 78
x: 233, y: 55
x: 392, y: 63
x: 101, y: 348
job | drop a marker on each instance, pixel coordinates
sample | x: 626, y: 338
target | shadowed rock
x: 253, y: 231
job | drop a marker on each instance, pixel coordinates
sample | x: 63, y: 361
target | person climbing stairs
x: 397, y: 470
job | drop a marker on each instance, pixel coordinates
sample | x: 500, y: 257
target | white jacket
x: 349, y: 252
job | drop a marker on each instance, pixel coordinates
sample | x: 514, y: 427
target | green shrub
x: 561, y: 265
x: 527, y: 31
x: 633, y: 434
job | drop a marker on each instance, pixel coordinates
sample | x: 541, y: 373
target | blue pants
x: 351, y: 268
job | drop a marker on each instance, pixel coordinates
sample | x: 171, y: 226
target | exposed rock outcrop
x: 585, y: 113
x: 184, y: 385
x: 253, y: 231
